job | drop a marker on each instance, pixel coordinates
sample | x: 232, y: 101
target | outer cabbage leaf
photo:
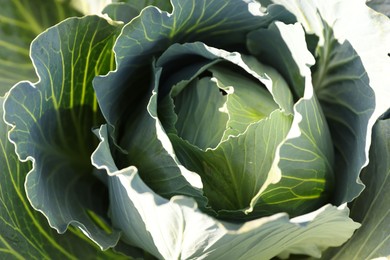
x: 24, y: 232
x: 348, y: 71
x: 177, y: 229
x: 371, y: 208
x: 20, y: 22
x: 52, y: 122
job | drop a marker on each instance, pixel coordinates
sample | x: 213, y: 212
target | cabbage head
x: 208, y: 129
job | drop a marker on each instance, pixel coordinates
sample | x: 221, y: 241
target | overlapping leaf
x: 181, y: 230
x: 124, y: 93
x: 148, y: 147
x: 127, y: 180
x: 240, y: 161
x: 222, y: 25
x: 52, y: 122
x: 303, y: 178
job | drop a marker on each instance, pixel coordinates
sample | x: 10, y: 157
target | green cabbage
x: 207, y: 129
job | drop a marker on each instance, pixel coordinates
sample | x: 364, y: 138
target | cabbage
x: 212, y: 129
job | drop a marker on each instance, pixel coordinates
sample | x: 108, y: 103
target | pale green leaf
x: 52, y: 121
x: 305, y: 163
x: 235, y: 171
x: 273, y: 81
x: 204, y: 59
x: 20, y: 22
x: 235, y: 159
x: 248, y: 101
x: 302, y: 177
x: 199, y: 117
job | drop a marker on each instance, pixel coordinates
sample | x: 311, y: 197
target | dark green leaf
x: 52, y: 122
x: 24, y: 232
x: 371, y: 208
x: 148, y: 148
